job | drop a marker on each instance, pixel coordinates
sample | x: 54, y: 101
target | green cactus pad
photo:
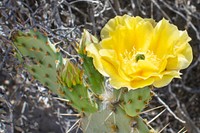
x: 140, y: 126
x: 134, y: 101
x: 94, y: 78
x: 74, y: 89
x: 108, y: 121
x: 79, y: 99
x: 41, y: 58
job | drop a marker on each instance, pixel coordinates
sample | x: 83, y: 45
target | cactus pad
x: 94, y: 78
x: 134, y: 101
x: 41, y: 57
x: 45, y: 63
x: 113, y: 121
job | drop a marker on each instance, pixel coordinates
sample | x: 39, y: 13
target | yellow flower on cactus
x: 136, y: 52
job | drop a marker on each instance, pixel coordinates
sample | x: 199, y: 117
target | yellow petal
x: 135, y: 84
x: 164, y: 81
x: 92, y: 51
x: 185, y: 57
x: 165, y: 34
x: 127, y: 33
x: 183, y: 52
x: 115, y: 80
x: 182, y: 60
x: 142, y: 35
x: 166, y: 78
x: 113, y: 24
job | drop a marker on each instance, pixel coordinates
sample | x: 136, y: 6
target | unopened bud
x: 70, y: 75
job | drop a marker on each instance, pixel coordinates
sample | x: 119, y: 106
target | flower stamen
x: 139, y: 57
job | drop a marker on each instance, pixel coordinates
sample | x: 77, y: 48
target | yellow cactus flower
x: 136, y: 52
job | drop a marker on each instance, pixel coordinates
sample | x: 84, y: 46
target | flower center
x: 138, y: 61
x: 133, y: 56
x: 139, y: 57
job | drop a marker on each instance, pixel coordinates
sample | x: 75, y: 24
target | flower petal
x: 92, y: 51
x: 127, y: 33
x: 116, y: 81
x: 135, y: 84
x: 166, y: 78
x: 164, y: 38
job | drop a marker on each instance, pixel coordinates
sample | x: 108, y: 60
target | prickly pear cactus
x: 103, y: 110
